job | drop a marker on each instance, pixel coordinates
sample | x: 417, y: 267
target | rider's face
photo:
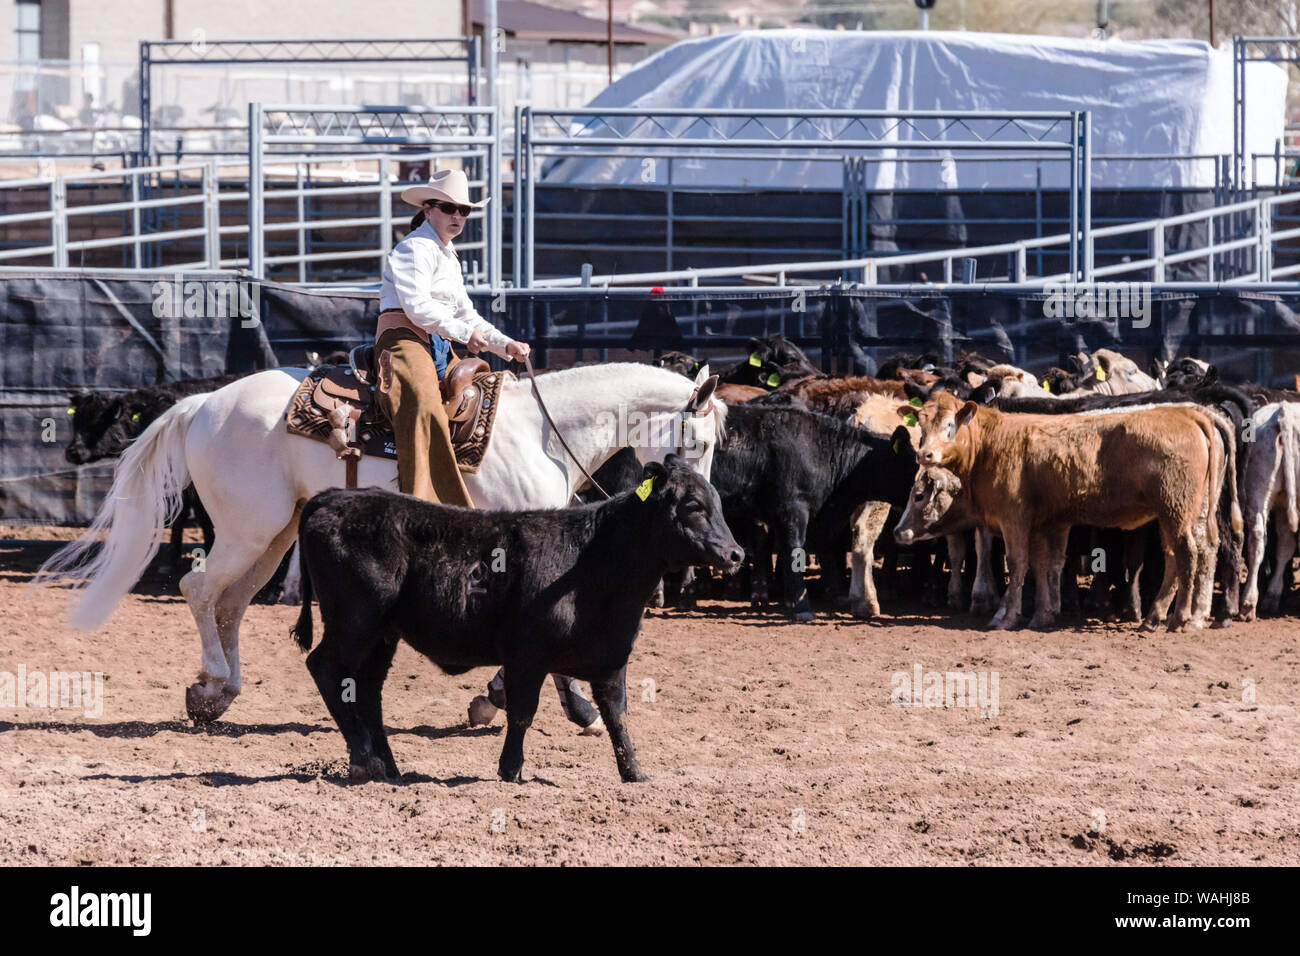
x: 447, y: 225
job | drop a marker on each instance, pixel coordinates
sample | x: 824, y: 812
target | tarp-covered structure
x: 1153, y: 97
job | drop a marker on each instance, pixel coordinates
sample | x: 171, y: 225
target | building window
x: 28, y: 29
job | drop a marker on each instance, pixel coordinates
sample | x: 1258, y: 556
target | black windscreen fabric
x: 64, y: 333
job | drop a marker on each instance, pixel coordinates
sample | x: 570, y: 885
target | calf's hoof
x: 481, y: 711
x: 1246, y: 614
x: 634, y: 776
x: 593, y: 729
x: 983, y: 605
x: 511, y: 774
x: 372, y: 769
x: 801, y: 617
x: 1268, y: 607
x: 1042, y: 622
x: 204, y: 706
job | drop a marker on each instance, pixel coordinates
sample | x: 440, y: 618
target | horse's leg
x: 203, y: 588
x: 292, y: 593
x: 235, y: 599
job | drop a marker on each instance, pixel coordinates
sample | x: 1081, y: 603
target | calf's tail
x: 301, y: 632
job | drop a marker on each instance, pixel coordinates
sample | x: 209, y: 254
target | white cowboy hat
x: 449, y: 185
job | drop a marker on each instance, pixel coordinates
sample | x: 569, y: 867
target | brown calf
x: 1030, y: 478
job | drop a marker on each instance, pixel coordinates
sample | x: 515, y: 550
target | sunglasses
x: 450, y: 208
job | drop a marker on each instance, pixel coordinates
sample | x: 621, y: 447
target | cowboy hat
x: 449, y: 185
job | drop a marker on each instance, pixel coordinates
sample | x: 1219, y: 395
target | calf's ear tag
x: 643, y: 490
x: 896, y: 441
x: 773, y: 380
x: 1047, y: 386
x: 915, y: 402
x: 755, y: 360
x: 910, y: 421
x: 1101, y: 374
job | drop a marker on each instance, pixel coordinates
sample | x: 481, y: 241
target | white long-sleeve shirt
x: 422, y: 278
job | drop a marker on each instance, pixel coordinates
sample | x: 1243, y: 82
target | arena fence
x: 65, y: 331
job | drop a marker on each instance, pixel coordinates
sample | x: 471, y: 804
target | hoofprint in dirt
x: 764, y: 742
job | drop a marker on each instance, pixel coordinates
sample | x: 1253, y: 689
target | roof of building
x: 536, y: 21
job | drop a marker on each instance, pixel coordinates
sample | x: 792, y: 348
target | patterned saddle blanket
x: 336, y: 404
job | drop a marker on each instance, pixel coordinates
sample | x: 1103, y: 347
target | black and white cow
x: 546, y: 591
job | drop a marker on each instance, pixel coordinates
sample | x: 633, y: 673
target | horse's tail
x: 146, y: 496
x: 301, y: 632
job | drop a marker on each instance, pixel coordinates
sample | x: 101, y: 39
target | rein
x: 532, y: 379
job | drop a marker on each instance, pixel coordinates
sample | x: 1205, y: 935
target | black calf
x: 539, y: 591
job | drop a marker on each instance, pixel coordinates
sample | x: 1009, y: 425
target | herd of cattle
x: 1153, y: 486
x: 1161, y: 489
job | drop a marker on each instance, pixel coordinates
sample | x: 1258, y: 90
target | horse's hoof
x: 802, y: 617
x: 594, y: 729
x: 865, y: 611
x: 481, y: 711
x: 1044, y: 623
x: 205, y: 708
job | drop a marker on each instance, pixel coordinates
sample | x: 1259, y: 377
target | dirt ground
x: 766, y: 743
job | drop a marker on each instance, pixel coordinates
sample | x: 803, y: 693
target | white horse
x: 254, y: 479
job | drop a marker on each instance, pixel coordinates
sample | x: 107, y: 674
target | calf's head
x: 688, y: 518
x: 933, y: 507
x: 945, y: 437
x: 104, y: 425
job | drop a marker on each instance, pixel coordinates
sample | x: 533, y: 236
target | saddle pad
x: 374, y: 437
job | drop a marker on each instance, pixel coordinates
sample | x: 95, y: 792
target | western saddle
x: 357, y: 425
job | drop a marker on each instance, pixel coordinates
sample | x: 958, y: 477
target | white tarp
x: 1158, y: 97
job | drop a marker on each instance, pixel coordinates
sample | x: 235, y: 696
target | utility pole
x: 609, y: 36
x: 924, y: 6
x: 490, y: 51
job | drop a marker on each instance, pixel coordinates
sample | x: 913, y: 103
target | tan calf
x: 1030, y: 478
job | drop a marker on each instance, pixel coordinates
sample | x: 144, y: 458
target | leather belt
x: 397, y: 319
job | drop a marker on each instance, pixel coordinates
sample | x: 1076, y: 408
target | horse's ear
x: 702, y: 395
x: 702, y: 374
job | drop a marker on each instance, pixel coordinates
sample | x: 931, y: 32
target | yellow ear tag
x: 755, y: 360
x: 72, y: 411
x: 915, y: 402
x: 1101, y: 374
x: 643, y: 490
x: 1047, y: 386
x: 135, y: 417
x: 896, y: 441
x: 773, y: 380
x: 909, y: 420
